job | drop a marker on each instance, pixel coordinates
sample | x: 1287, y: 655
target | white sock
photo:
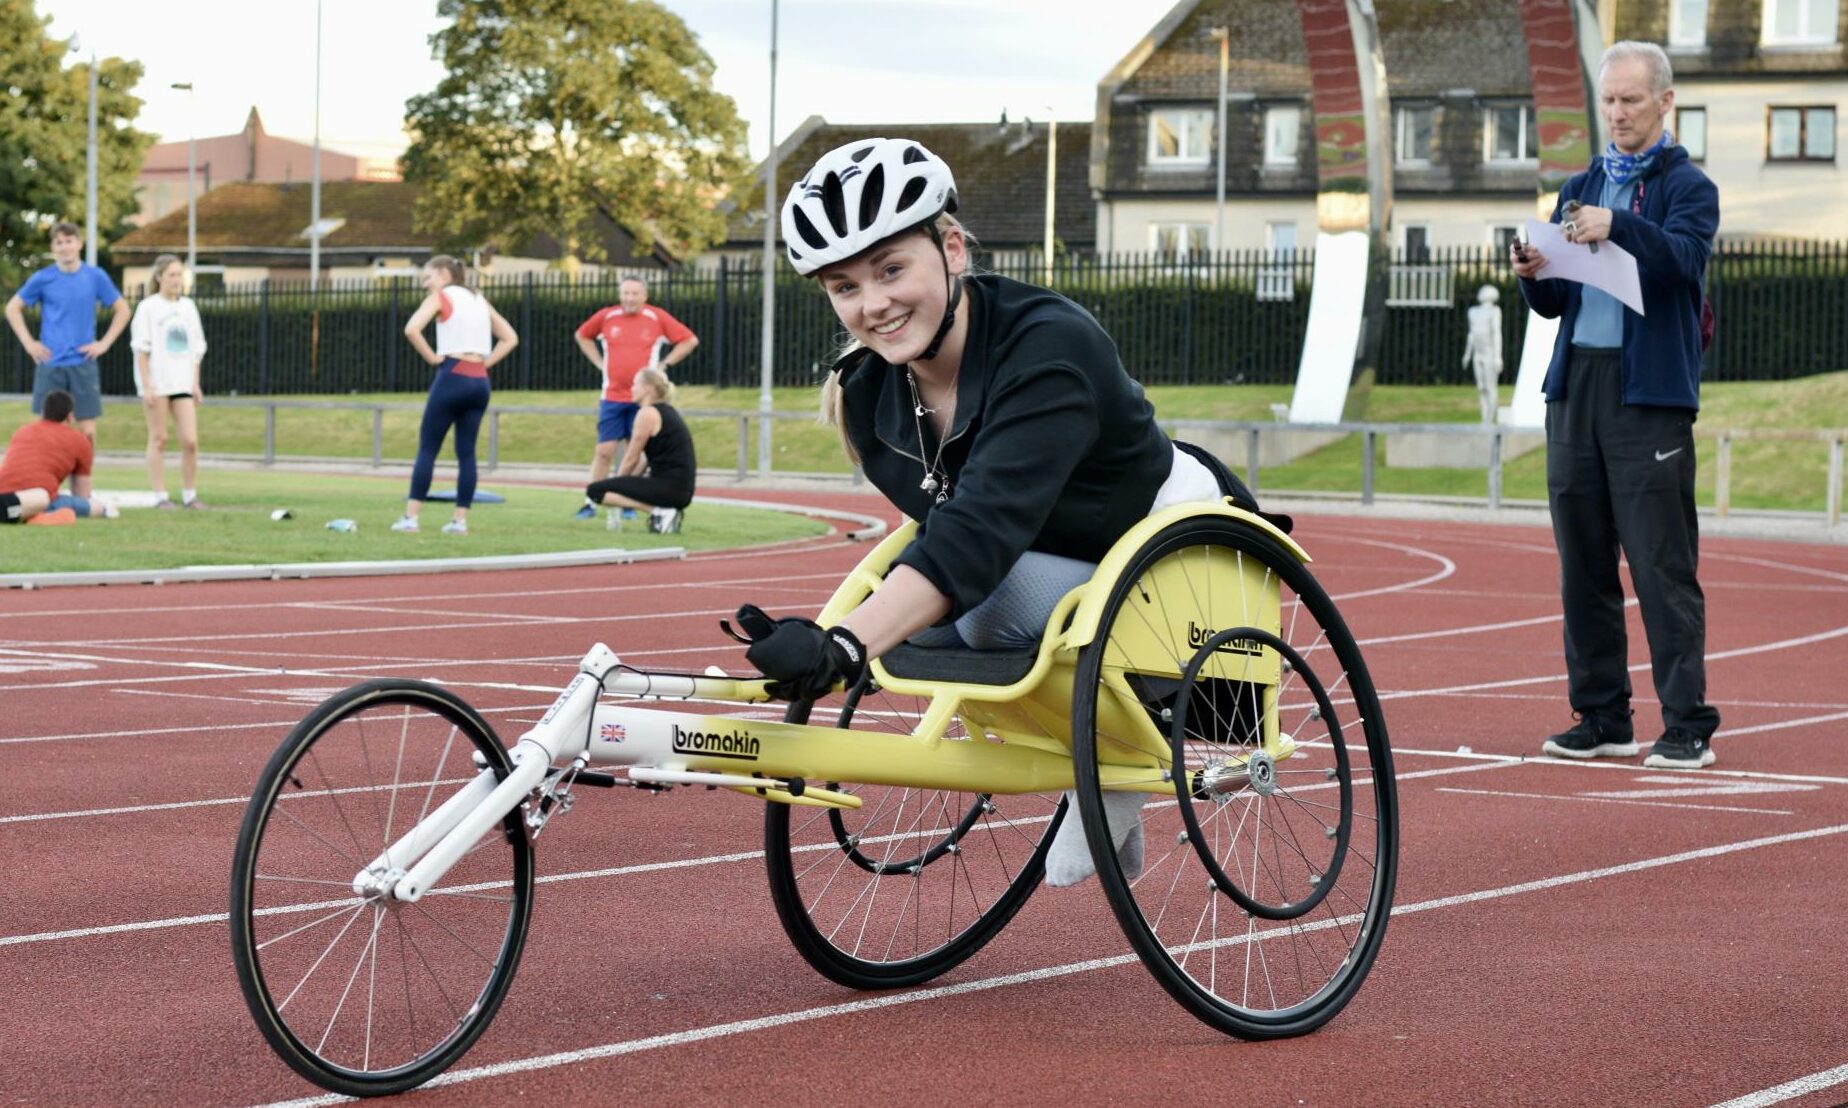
x: 1068, y: 860
x: 187, y: 496
x: 161, y: 497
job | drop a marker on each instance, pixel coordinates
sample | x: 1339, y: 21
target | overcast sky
x: 870, y: 61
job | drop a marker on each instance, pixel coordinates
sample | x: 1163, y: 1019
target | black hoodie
x: 1053, y: 448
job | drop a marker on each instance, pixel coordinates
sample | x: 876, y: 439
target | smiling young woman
x: 995, y: 413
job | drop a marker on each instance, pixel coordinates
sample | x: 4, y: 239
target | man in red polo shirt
x: 632, y: 332
x: 38, y: 459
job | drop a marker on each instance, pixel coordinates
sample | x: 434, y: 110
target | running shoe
x: 665, y: 521
x: 195, y: 502
x: 405, y: 523
x: 1595, y: 735
x: 456, y: 527
x: 1679, y: 748
x: 164, y: 503
x: 588, y: 511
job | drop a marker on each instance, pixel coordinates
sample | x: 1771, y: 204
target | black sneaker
x: 1680, y: 749
x: 1595, y: 735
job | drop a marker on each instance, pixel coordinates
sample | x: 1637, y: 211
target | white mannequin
x: 1482, y: 353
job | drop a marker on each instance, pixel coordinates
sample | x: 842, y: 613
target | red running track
x: 1565, y: 934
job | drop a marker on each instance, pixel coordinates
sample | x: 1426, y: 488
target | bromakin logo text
x: 716, y: 744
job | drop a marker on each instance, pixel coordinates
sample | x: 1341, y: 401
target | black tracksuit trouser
x: 1622, y: 477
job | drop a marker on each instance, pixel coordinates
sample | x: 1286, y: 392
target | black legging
x: 656, y: 492
x: 454, y: 400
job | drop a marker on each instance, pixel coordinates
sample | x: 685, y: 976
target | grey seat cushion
x: 958, y: 664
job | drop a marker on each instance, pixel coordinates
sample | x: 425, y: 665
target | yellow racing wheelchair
x: 383, y: 881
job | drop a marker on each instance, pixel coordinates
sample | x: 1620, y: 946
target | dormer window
x: 1800, y: 23
x: 1180, y: 136
x: 327, y: 225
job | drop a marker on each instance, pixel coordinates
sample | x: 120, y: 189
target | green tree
x: 555, y: 115
x: 44, y: 118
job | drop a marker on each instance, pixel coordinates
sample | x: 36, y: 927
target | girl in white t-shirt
x: 169, y: 344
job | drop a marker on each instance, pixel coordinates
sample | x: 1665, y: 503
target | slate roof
x: 1000, y: 177
x: 268, y: 217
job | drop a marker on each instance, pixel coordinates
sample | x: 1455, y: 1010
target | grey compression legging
x: 1014, y: 615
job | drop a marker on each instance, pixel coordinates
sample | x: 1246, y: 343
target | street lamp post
x: 1052, y: 180
x: 1224, y: 37
x: 766, y: 373
x: 192, y: 168
x: 89, y: 187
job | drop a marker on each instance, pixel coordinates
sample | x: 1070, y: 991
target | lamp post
x: 1224, y: 36
x: 314, y: 190
x: 766, y: 373
x: 1052, y: 179
x: 89, y: 187
x: 192, y: 168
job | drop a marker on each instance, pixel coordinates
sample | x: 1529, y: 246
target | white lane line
x: 261, y: 701
x: 1446, y: 568
x: 1789, y: 1090
x: 1615, y: 800
x: 784, y: 1019
x: 1731, y: 731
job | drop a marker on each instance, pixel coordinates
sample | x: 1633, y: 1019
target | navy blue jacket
x: 1671, y: 237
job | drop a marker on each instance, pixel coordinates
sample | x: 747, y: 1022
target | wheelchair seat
x: 958, y: 664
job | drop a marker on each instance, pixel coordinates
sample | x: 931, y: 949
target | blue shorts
x: 81, y: 381
x: 615, y: 419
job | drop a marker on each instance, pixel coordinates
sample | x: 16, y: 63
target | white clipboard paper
x: 1610, y: 268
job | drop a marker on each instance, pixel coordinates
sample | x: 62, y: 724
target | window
x: 1414, y: 281
x: 1508, y: 133
x: 1180, y: 136
x: 1801, y: 135
x: 1691, y: 131
x: 1687, y: 24
x: 1799, y: 22
x: 1412, y: 134
x: 1282, y: 122
x: 1501, y: 234
x: 1180, y: 241
x: 1280, y: 239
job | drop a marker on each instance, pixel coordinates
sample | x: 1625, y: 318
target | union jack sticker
x: 612, y: 733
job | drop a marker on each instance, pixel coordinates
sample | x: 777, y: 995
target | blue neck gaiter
x: 1620, y: 167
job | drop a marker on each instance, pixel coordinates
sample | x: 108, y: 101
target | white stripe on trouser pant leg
x: 1068, y: 860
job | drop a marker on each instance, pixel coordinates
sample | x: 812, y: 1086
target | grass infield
x: 237, y: 528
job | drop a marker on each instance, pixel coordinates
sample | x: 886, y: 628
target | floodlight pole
x: 314, y: 189
x: 89, y: 188
x: 1052, y: 179
x: 766, y: 373
x: 192, y: 165
x: 1224, y: 35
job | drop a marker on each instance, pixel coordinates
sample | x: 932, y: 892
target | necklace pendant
x: 943, y: 496
x: 922, y: 411
x: 929, y: 484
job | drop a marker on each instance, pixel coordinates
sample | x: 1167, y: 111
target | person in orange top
x: 632, y: 332
x: 38, y: 459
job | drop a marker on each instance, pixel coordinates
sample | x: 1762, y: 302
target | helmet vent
x: 807, y: 230
x: 913, y: 155
x: 871, y: 193
x: 861, y: 154
x: 834, y: 206
x: 914, y: 188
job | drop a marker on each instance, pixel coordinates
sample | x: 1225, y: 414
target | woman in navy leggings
x: 466, y: 325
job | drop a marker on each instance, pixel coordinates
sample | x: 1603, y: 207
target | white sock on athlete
x: 1068, y: 860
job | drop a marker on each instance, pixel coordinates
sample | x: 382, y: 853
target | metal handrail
x: 1253, y: 430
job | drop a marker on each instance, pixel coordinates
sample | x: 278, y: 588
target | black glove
x: 802, y: 659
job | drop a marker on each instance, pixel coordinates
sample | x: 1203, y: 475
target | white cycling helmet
x: 860, y: 193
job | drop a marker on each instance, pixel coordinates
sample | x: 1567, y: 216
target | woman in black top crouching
x: 658, y: 467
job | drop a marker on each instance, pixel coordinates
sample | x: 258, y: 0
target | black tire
x: 909, y: 885
x: 1266, y: 885
x: 340, y: 787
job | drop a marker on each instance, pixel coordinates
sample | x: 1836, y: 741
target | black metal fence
x: 1229, y: 318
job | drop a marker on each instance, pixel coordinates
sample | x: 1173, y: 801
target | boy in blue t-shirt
x: 68, y: 293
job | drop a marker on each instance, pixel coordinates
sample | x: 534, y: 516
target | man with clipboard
x: 1622, y: 392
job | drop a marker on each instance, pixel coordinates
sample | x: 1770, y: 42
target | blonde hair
x: 160, y: 266
x: 656, y: 379
x: 833, y: 398
x: 452, y: 267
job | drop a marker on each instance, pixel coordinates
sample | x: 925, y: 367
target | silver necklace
x: 935, y: 480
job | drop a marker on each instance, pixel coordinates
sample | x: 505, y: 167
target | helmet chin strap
x: 952, y: 287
